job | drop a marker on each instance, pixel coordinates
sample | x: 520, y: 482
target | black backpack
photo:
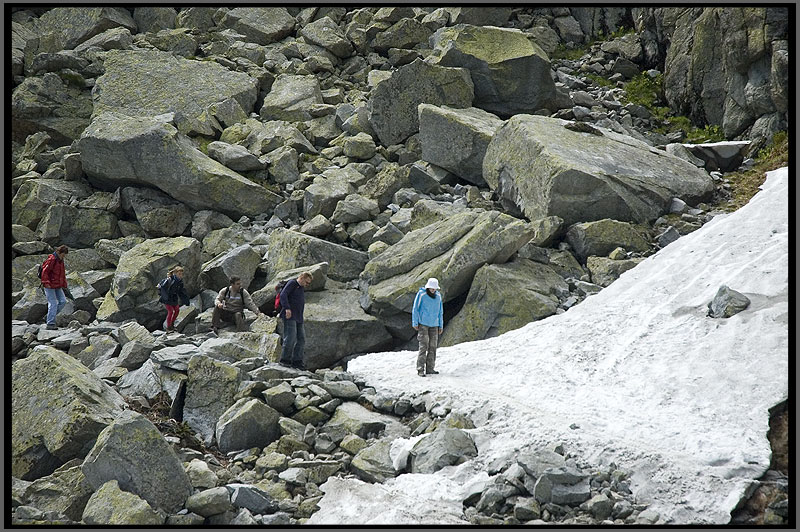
x: 163, y: 289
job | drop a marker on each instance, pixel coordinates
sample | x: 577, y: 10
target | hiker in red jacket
x: 54, y: 280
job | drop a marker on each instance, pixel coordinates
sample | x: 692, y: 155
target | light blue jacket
x: 427, y: 310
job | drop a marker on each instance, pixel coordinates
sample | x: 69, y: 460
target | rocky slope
x: 377, y: 147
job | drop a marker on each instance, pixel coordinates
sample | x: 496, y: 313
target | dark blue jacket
x: 176, y: 292
x: 293, y: 297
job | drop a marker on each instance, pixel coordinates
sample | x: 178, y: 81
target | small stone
x: 727, y: 302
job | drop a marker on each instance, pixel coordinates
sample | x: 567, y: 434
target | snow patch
x: 636, y: 374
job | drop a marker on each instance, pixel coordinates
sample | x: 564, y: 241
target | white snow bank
x: 651, y: 382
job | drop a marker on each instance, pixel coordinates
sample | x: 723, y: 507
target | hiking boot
x: 215, y: 330
x: 432, y: 372
x: 51, y: 327
x: 421, y: 373
x: 300, y: 366
x: 284, y: 364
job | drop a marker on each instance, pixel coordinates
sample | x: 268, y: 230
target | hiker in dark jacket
x: 230, y: 304
x: 175, y: 294
x: 54, y: 281
x: 293, y: 302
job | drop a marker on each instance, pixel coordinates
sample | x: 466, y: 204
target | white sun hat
x: 432, y: 283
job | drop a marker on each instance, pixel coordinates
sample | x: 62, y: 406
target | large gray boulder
x: 322, y: 196
x: 441, y: 448
x: 290, y: 98
x: 541, y: 167
x: 145, y: 83
x: 150, y: 380
x: 156, y: 212
x: 504, y: 297
x: 484, y: 16
x: 562, y: 485
x: 324, y: 32
x: 264, y: 137
x: 404, y: 34
x: 605, y: 271
x: 55, y: 420
x: 133, y: 293
x: 451, y: 250
x: 456, y: 139
x: 261, y: 25
x: 48, y: 104
x: 210, y: 391
x: 336, y: 326
x: 63, y: 28
x: 153, y: 19
x: 354, y: 208
x: 373, y: 463
x: 75, y: 227
x: 392, y: 107
x: 601, y: 237
x: 110, y: 505
x: 511, y: 73
x: 134, y: 453
x: 66, y: 491
x: 290, y: 249
x: 356, y: 419
x: 234, y: 156
x: 110, y: 250
x: 241, y: 262
x: 247, y: 423
x: 35, y: 196
x: 172, y: 165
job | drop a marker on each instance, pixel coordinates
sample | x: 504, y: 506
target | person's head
x: 236, y: 283
x: 61, y: 251
x: 305, y: 279
x: 177, y: 271
x: 432, y: 286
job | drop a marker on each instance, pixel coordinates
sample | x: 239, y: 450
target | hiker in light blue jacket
x: 427, y: 317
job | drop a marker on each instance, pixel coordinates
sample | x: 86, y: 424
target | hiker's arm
x: 248, y: 301
x: 47, y: 271
x: 285, y: 299
x: 415, y: 313
x: 218, y: 300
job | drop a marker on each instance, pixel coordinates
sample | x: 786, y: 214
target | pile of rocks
x: 376, y: 147
x: 277, y: 434
x: 346, y: 137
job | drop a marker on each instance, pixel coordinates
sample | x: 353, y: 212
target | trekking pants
x: 221, y: 315
x: 428, y: 340
x: 294, y: 342
x: 55, y: 302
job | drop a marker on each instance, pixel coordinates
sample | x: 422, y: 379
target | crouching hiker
x: 293, y: 302
x: 427, y: 317
x: 230, y: 304
x: 172, y: 293
x: 54, y: 281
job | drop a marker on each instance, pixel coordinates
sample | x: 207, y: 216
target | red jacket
x: 53, y: 274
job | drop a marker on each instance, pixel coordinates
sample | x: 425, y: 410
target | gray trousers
x: 428, y: 340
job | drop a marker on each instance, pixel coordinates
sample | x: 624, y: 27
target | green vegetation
x: 744, y: 185
x: 600, y: 80
x: 647, y: 92
x: 644, y: 90
x: 573, y: 54
x: 619, y: 32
